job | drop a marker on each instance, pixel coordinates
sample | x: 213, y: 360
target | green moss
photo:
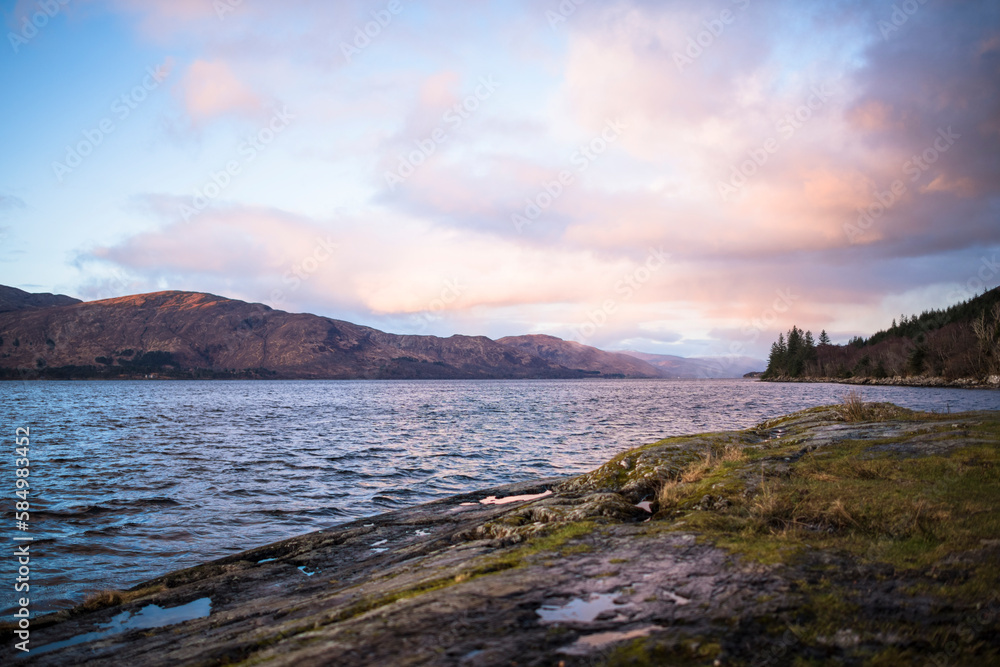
x: 647, y: 651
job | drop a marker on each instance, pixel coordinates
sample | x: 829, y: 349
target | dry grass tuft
x: 853, y: 408
x: 733, y: 454
x: 699, y: 470
x: 669, y: 494
x: 674, y: 490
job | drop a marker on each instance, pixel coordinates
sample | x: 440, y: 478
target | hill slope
x: 12, y: 298
x: 699, y: 367
x: 576, y: 355
x: 959, y: 344
x: 190, y: 334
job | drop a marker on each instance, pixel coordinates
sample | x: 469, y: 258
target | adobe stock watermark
x: 976, y: 627
x: 901, y: 13
x: 705, y: 38
x: 985, y: 274
x: 453, y: 117
x: 752, y: 330
x: 121, y: 108
x: 248, y: 150
x: 225, y: 7
x: 915, y: 168
x: 787, y: 126
x: 364, y: 34
x: 450, y: 293
x: 30, y: 25
x: 565, y: 9
x: 301, y: 271
x: 625, y: 288
x: 581, y: 159
x: 754, y: 327
x: 114, y: 286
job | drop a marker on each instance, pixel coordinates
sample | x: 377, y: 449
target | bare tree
x: 987, y: 330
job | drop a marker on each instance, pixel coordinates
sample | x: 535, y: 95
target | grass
x: 853, y: 408
x: 712, y: 464
x: 910, y: 512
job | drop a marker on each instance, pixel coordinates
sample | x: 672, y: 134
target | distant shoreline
x: 922, y: 381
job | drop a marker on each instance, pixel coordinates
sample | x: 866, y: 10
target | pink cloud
x: 212, y: 89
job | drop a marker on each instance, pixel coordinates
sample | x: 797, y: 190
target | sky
x: 686, y: 177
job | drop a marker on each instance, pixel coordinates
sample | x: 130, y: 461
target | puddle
x: 303, y: 569
x: 378, y: 550
x: 379, y: 543
x: 645, y: 505
x: 493, y: 500
x: 423, y: 533
x: 578, y: 609
x: 150, y: 616
x: 588, y: 643
x: 266, y: 560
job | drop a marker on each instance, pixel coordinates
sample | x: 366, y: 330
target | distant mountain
x: 576, y: 355
x: 699, y: 367
x: 191, y: 334
x: 12, y: 298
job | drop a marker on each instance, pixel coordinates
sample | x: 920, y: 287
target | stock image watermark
x: 625, y: 289
x: 22, y: 555
x: 364, y: 34
x: 978, y: 626
x: 121, y: 108
x: 449, y: 294
x: 713, y: 28
x: 225, y: 7
x: 787, y: 126
x: 901, y: 13
x: 915, y: 167
x: 581, y: 159
x: 304, y: 269
x: 984, y: 275
x: 248, y: 150
x: 754, y: 327
x: 562, y: 12
x: 453, y: 118
x: 34, y: 22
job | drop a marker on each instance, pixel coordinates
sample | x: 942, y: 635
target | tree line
x: 962, y: 341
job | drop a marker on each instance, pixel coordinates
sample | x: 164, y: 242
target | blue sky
x: 677, y: 177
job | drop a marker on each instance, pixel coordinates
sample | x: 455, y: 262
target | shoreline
x: 697, y: 549
x: 898, y: 381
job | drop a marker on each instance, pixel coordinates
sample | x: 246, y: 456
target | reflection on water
x: 133, y: 479
x: 150, y: 616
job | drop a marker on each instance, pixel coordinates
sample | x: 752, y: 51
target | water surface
x: 133, y: 479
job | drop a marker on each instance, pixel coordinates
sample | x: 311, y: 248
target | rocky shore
x: 869, y: 536
x: 900, y: 381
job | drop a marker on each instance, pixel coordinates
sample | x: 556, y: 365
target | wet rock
x: 459, y: 582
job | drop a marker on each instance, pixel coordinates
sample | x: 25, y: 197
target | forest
x: 962, y: 341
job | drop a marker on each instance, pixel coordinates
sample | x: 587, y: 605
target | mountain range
x: 198, y: 335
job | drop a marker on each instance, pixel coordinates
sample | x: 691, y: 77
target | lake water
x: 130, y: 480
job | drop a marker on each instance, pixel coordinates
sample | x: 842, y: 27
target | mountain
x: 576, y: 355
x: 699, y: 367
x: 191, y: 334
x: 12, y: 298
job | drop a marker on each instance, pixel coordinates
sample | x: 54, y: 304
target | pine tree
x: 823, y: 338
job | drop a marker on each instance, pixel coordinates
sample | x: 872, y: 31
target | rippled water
x: 133, y: 479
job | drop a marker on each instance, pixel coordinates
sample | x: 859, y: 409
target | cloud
x: 212, y: 89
